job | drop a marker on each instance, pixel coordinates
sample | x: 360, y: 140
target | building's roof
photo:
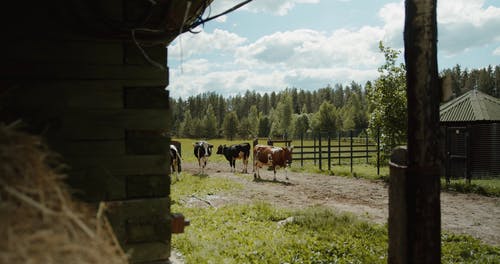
x: 471, y: 106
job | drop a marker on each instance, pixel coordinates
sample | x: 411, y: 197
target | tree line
x: 290, y: 112
x: 378, y: 106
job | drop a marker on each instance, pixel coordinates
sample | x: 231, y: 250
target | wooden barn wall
x: 478, y: 144
x: 485, y: 150
x: 102, y: 106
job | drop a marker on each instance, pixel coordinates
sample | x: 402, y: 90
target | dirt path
x: 471, y: 214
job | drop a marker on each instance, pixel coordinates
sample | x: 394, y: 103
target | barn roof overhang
x: 148, y: 22
x: 473, y: 106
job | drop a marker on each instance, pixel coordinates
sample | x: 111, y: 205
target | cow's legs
x: 245, y: 165
x: 174, y: 170
x: 274, y: 169
x: 256, y: 173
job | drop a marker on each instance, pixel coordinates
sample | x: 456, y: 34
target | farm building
x: 472, y: 125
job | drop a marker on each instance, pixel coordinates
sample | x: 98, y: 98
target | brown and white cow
x: 275, y: 157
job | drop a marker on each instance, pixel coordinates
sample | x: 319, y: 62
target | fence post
x: 350, y: 134
x: 399, y: 234
x: 320, y: 156
x: 329, y: 153
x: 302, y: 150
x: 339, y: 148
x: 366, y: 141
x: 378, y: 151
x: 314, y: 148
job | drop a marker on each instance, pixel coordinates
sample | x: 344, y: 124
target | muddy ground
x: 471, y: 214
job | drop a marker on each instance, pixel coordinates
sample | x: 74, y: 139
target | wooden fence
x: 336, y: 149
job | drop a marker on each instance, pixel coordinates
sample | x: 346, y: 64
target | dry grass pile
x: 39, y: 221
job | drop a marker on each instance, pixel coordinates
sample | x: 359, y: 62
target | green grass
x: 488, y: 187
x: 359, y: 171
x: 251, y: 233
x: 200, y: 186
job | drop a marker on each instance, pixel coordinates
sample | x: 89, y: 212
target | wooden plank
x: 79, y: 94
x: 96, y: 184
x: 133, y: 56
x: 145, y: 97
x: 122, y: 165
x: 67, y: 52
x: 92, y: 148
x: 63, y: 71
x: 145, y: 142
x: 144, y: 186
x: 156, y: 252
x: 111, y: 124
x: 139, y: 212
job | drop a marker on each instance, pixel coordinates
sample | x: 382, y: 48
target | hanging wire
x: 203, y: 21
x: 144, y: 54
x: 188, y: 7
x: 157, y: 36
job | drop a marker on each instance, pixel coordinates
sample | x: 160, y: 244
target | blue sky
x: 269, y: 45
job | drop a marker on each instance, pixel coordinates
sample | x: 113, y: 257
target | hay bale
x: 39, y: 220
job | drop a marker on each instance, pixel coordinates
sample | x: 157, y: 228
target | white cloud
x: 464, y: 24
x: 230, y: 81
x: 308, y: 48
x: 496, y: 52
x: 227, y: 82
x: 221, y: 19
x: 203, y: 43
x: 392, y: 15
x: 276, y: 7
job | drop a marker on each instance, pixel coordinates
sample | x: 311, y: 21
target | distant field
x: 187, y: 149
x: 490, y: 187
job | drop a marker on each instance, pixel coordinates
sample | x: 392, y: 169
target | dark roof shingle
x: 471, y: 106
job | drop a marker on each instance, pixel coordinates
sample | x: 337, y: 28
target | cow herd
x: 263, y: 155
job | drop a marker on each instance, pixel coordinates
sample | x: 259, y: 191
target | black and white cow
x: 175, y: 161
x: 234, y: 152
x: 202, y: 150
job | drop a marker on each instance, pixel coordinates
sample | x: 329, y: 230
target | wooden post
x: 329, y: 153
x: 320, y: 150
x: 302, y: 150
x: 423, y: 221
x: 314, y: 149
x: 378, y: 151
x: 339, y: 148
x: 398, y: 207
x: 350, y: 135
x: 366, y: 144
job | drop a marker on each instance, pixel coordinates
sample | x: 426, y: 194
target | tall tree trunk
x: 423, y: 226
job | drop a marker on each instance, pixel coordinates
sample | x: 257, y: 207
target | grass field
x: 489, y: 187
x: 256, y: 233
